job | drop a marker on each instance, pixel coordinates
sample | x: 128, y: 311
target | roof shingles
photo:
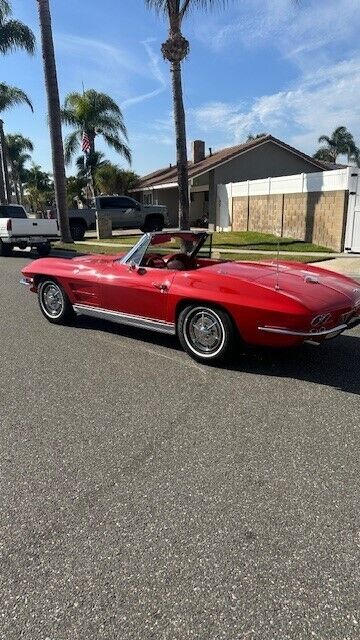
x: 169, y: 174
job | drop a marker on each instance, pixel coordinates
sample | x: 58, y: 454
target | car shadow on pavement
x: 334, y: 364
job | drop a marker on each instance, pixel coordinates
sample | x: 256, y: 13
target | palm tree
x: 88, y: 165
x: 341, y: 142
x: 52, y: 91
x: 112, y: 179
x: 175, y: 50
x: 39, y: 190
x: 13, y: 33
x: 9, y: 97
x: 36, y: 177
x: 17, y: 149
x: 94, y: 114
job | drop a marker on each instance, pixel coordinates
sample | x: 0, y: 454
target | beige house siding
x: 318, y: 217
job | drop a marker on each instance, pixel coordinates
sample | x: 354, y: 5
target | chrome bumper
x: 27, y: 282
x: 325, y: 333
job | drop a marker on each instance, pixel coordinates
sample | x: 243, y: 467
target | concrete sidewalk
x: 348, y: 265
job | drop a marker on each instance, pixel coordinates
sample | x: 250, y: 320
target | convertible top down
x: 169, y: 283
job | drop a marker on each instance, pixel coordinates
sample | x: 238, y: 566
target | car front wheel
x: 205, y: 333
x: 54, y: 303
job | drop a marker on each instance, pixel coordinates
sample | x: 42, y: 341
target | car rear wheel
x: 205, y: 333
x: 43, y: 250
x: 54, y: 303
x: 77, y: 230
x: 5, y: 249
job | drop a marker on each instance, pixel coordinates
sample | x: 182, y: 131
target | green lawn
x: 263, y: 242
x: 241, y: 240
x: 102, y: 249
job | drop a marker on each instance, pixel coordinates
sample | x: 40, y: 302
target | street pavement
x: 144, y: 496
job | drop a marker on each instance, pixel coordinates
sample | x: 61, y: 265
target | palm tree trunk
x: 21, y: 191
x: 181, y: 151
x: 8, y: 190
x: 3, y: 196
x: 15, y: 179
x: 52, y: 91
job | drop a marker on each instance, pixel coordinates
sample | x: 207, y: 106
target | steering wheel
x: 155, y: 261
x: 180, y: 257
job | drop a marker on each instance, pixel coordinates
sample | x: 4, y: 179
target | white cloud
x: 99, y: 52
x: 154, y: 71
x: 320, y: 102
x: 297, y: 30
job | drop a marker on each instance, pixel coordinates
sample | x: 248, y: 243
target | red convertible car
x: 168, y: 283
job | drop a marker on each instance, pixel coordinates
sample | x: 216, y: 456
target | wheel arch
x: 40, y: 277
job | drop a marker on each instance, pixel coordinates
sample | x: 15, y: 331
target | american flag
x: 85, y: 143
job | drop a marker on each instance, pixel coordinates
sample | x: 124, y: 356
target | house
x: 260, y: 158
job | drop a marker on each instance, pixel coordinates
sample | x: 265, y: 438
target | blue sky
x: 259, y: 65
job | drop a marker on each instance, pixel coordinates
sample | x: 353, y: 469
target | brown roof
x: 169, y: 174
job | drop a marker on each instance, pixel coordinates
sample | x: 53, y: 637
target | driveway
x: 144, y: 496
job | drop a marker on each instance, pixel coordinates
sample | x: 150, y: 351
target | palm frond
x: 176, y: 7
x: 5, y: 9
x: 116, y: 143
x: 16, y: 35
x: 97, y: 114
x: 325, y: 139
x: 71, y: 145
x: 12, y: 96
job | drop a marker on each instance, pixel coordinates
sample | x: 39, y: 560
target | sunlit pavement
x: 146, y: 496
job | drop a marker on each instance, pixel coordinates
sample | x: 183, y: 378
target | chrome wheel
x: 51, y: 300
x: 204, y: 332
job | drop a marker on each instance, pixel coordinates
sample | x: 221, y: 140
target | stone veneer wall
x: 317, y: 217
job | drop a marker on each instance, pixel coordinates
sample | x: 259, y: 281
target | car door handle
x: 162, y: 286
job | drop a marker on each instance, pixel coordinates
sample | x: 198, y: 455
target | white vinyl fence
x: 347, y: 179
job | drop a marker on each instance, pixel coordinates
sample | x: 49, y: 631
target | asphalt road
x: 144, y: 496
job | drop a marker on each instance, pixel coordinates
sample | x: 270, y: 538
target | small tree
x: 18, y: 148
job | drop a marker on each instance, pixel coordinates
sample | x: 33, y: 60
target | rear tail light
x: 9, y: 225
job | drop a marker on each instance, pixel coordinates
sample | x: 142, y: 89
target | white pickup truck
x: 18, y: 230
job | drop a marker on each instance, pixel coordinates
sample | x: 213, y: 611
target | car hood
x: 314, y: 287
x: 53, y: 266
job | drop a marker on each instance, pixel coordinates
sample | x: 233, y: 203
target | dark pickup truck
x: 124, y: 213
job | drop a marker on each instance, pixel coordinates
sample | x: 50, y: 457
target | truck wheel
x: 153, y: 223
x: 77, y: 230
x: 205, y: 332
x: 43, y: 250
x: 54, y: 303
x: 5, y: 249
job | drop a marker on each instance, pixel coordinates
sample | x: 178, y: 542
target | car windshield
x: 168, y: 243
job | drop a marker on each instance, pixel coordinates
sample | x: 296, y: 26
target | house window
x: 148, y: 198
x: 206, y: 196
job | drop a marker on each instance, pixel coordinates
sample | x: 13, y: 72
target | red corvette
x: 167, y: 284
